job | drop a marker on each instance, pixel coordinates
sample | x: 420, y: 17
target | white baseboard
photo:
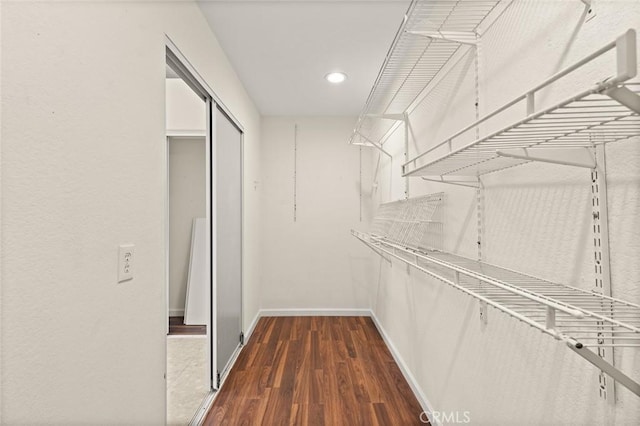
x: 176, y: 312
x: 314, y: 312
x: 249, y: 331
x: 413, y: 383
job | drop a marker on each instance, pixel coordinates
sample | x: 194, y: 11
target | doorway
x: 215, y: 255
x: 188, y: 254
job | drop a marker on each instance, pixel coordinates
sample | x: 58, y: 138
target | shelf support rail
x: 600, y: 228
x: 626, y: 62
x: 405, y: 118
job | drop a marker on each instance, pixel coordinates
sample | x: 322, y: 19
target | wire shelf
x: 589, y: 322
x: 581, y: 122
x: 607, y: 112
x: 586, y: 321
x: 416, y: 222
x: 430, y: 35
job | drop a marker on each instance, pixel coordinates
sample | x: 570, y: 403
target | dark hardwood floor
x: 178, y: 327
x: 315, y: 371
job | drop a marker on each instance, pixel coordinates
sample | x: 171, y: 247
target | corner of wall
x: 427, y: 407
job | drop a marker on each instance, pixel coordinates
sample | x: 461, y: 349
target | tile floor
x: 186, y: 381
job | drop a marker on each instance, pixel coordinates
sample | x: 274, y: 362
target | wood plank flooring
x: 177, y: 327
x: 315, y: 371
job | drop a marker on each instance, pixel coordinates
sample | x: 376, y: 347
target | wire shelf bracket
x: 576, y: 157
x: 371, y: 143
x: 468, y: 181
x: 457, y: 37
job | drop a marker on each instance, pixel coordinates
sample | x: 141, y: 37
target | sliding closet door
x: 228, y: 171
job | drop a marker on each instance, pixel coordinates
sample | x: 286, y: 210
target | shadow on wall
x: 442, y: 102
x: 542, y: 228
x: 539, y: 13
x: 361, y: 268
x: 465, y: 228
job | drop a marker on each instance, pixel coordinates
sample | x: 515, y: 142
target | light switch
x: 125, y: 262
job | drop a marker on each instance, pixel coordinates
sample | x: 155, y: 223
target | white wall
x: 537, y: 220
x: 83, y: 133
x: 187, y: 191
x: 186, y: 112
x: 312, y: 263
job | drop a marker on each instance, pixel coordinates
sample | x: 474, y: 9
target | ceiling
x: 282, y: 49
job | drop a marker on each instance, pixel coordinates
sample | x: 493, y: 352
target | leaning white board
x: 195, y: 306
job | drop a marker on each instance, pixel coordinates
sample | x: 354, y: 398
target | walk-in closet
x: 320, y: 212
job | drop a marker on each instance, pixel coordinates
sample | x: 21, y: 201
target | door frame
x: 179, y: 63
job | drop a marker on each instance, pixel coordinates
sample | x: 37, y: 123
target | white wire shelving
x: 586, y: 321
x: 564, y: 133
x: 571, y: 132
x: 416, y: 222
x: 432, y: 32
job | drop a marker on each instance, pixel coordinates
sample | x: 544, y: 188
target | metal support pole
x: 602, y: 284
x: 484, y: 314
x: 480, y: 216
x: 406, y: 153
x: 480, y: 226
x: 360, y: 179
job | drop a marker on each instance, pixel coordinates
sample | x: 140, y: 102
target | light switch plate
x: 125, y: 262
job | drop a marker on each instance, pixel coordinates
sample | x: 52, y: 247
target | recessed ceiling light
x: 335, y: 77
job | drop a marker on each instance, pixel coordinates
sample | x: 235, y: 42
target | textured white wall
x: 83, y: 134
x: 312, y: 263
x: 536, y: 220
x: 187, y: 193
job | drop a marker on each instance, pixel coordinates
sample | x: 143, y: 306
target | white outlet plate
x: 125, y: 262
